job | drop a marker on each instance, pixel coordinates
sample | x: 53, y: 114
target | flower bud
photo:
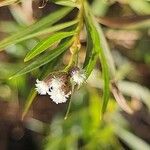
x: 78, y: 76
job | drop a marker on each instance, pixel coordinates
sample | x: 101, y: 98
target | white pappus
x: 55, y: 87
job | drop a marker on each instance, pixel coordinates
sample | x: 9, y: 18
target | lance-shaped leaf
x: 48, y: 30
x: 44, y: 59
x: 45, y: 22
x: 46, y: 43
x: 98, y: 48
x: 30, y: 99
x: 91, y: 54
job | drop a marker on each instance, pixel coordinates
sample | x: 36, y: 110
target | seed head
x: 57, y: 85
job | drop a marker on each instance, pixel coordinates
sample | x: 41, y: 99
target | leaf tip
x: 13, y: 76
x: 26, y: 59
x: 10, y: 77
x: 23, y: 115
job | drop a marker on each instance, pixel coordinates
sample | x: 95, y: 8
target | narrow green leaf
x: 107, y: 53
x: 66, y: 3
x: 91, y: 55
x: 91, y: 64
x: 44, y: 59
x: 30, y: 99
x: 46, y: 43
x: 48, y: 30
x: 97, y: 47
x: 89, y: 48
x: 45, y: 22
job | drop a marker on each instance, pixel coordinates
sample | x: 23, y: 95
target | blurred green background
x: 126, y: 24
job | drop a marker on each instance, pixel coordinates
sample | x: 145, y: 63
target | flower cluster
x: 78, y: 76
x: 58, y: 85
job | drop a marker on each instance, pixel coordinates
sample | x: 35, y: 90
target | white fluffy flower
x: 56, y: 92
x: 78, y: 77
x: 58, y: 96
x: 56, y: 82
x: 54, y: 89
x: 41, y: 87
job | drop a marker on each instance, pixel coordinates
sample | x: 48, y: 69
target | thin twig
x: 120, y: 99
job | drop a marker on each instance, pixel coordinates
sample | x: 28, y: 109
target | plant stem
x: 76, y: 38
x: 70, y: 102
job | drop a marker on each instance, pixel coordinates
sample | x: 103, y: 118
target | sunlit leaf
x: 46, y: 43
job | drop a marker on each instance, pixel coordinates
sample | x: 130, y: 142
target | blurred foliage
x: 126, y: 26
x: 83, y: 129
